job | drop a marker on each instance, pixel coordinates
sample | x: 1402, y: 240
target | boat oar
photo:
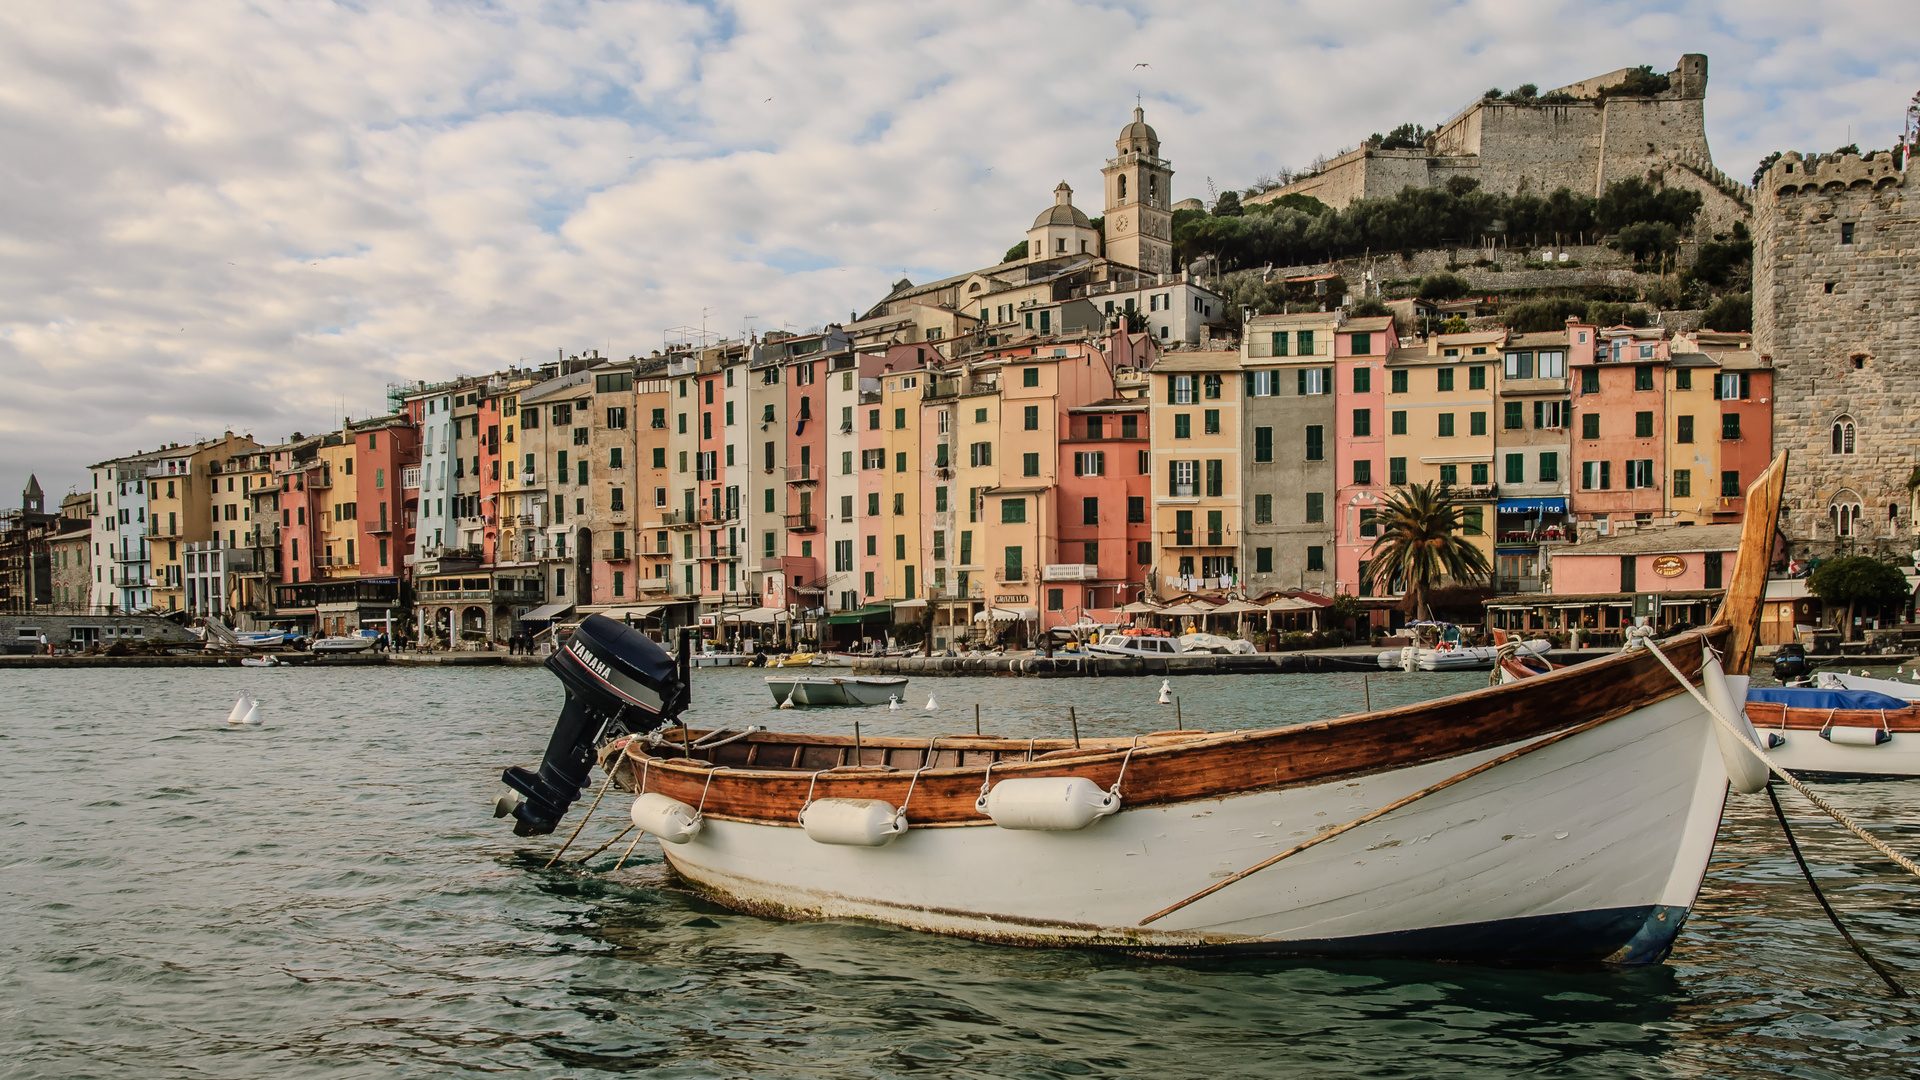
x: 1383, y: 811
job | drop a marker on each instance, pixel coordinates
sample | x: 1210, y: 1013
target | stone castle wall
x: 1536, y: 149
x: 1842, y: 324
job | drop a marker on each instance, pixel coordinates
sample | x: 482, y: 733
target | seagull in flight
x: 1143, y: 64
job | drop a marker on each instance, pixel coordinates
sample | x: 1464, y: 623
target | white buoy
x: 930, y: 704
x: 253, y: 714
x: 893, y: 703
x: 788, y: 704
x: 1166, y: 691
x: 239, y: 709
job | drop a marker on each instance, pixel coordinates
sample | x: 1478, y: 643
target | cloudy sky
x: 255, y: 214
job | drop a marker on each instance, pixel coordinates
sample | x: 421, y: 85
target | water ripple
x: 328, y: 896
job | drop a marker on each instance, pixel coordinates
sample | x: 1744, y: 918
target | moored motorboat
x: 350, y: 643
x: 1450, y: 656
x: 1566, y: 816
x: 837, y: 689
x: 1835, y: 680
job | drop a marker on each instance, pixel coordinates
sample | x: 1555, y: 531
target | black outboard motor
x: 1790, y: 663
x: 619, y: 681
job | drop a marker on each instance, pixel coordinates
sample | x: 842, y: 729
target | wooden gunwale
x: 1769, y: 715
x: 1167, y: 771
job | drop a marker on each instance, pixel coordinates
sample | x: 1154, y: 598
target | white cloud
x: 253, y: 215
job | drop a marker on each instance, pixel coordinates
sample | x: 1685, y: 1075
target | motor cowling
x: 618, y: 681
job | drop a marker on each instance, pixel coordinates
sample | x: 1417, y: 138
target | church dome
x: 1138, y: 132
x: 1062, y: 212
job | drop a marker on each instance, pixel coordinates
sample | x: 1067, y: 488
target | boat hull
x: 829, y: 690
x: 1589, y: 850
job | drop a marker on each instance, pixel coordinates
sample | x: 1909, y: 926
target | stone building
x: 1583, y: 143
x: 1290, y: 440
x: 70, y: 554
x: 1836, y: 306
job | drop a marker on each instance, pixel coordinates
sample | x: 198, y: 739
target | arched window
x: 1153, y: 189
x: 1844, y: 514
x: 1123, y: 188
x: 1841, y: 437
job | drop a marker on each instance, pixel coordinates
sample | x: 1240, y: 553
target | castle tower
x: 33, y: 500
x: 1836, y: 307
x: 1140, y: 200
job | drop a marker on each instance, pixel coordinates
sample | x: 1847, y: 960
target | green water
x: 329, y: 896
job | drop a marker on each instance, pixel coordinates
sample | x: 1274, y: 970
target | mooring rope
x: 1644, y: 635
x: 584, y: 820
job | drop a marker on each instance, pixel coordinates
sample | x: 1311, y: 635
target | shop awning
x: 1552, y: 505
x: 1006, y: 614
x: 761, y: 616
x: 917, y: 602
x: 546, y: 612
x: 871, y: 611
x: 623, y: 613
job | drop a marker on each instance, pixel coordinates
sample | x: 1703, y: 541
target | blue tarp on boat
x: 1797, y: 698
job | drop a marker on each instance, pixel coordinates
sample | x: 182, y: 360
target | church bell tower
x: 1139, y: 212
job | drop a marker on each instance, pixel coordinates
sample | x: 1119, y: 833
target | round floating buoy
x: 853, y: 822
x: 667, y: 818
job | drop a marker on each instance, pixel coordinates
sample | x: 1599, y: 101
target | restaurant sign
x: 1011, y: 598
x: 1669, y: 566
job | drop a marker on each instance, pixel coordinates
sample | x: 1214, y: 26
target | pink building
x: 1105, y: 537
x: 1359, y: 453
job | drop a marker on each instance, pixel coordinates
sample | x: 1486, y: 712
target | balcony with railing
x: 719, y: 551
x: 1182, y: 538
x: 802, y: 523
x: 803, y: 474
x: 678, y: 519
x: 1012, y: 574
x: 1520, y: 584
x: 1070, y: 572
x: 616, y: 555
x: 1471, y: 492
x: 720, y: 515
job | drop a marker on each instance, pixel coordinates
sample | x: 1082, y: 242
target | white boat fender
x: 1856, y: 736
x: 1745, y: 771
x: 667, y: 818
x: 853, y: 822
x: 1409, y: 658
x: 1050, y: 803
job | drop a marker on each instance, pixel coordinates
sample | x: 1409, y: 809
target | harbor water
x: 328, y: 895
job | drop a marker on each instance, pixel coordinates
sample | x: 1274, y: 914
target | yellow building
x: 1196, y: 471
x: 180, y: 500
x: 1440, y: 406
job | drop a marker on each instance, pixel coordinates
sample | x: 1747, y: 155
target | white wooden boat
x: 837, y: 689
x: 1564, y: 817
x: 1854, y: 733
x: 261, y: 661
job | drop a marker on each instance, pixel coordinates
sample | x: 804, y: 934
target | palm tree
x: 1419, y: 543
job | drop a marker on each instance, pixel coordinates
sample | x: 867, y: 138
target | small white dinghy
x: 805, y: 690
x: 1833, y: 680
